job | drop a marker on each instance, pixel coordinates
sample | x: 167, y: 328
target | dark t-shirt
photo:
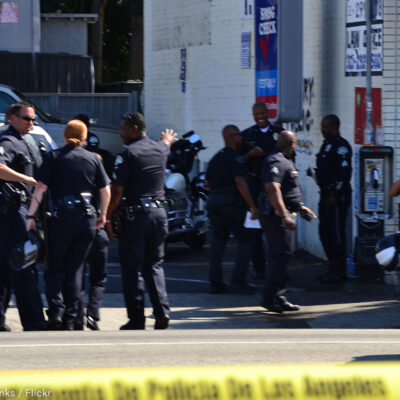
x: 72, y: 170
x: 222, y: 169
x: 140, y: 169
x: 280, y: 169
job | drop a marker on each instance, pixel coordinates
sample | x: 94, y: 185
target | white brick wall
x: 220, y: 92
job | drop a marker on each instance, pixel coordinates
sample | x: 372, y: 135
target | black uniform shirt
x: 221, y: 171
x: 140, y: 169
x: 334, y: 166
x: 278, y: 168
x: 72, y: 170
x: 253, y: 137
x: 14, y: 153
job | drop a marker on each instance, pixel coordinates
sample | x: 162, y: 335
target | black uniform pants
x: 224, y: 220
x: 70, y: 237
x: 281, y: 244
x: 25, y: 282
x: 141, y: 251
x: 332, y: 232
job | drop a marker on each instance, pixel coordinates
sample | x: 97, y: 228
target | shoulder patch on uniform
x: 93, y: 140
x: 274, y: 171
x: 240, y: 159
x: 328, y: 147
x: 118, y: 160
x: 345, y: 163
x: 342, y: 150
x: 1, y: 151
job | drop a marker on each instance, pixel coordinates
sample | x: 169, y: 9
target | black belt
x: 145, y: 204
x: 74, y: 200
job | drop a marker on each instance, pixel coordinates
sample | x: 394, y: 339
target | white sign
x: 355, y: 10
x: 8, y: 12
x: 245, y: 50
x: 247, y: 9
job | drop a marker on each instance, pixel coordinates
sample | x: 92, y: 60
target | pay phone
x: 375, y: 182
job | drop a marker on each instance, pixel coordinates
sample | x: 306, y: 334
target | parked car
x: 109, y: 137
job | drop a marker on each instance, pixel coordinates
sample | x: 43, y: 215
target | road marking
x: 341, y: 342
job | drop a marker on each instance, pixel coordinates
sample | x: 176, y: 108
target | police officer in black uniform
x: 281, y: 200
x: 333, y: 175
x: 17, y: 166
x: 98, y: 255
x: 139, y: 178
x: 258, y: 142
x: 73, y: 176
x: 229, y: 194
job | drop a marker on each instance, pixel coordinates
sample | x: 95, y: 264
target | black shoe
x: 91, y: 323
x: 130, y: 325
x: 161, y: 323
x: 273, y: 307
x: 54, y: 324
x: 333, y: 277
x: 217, y: 287
x: 286, y: 305
x: 241, y: 289
x: 5, y: 328
x: 68, y: 326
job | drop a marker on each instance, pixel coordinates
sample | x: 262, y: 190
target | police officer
x: 72, y: 175
x: 98, y: 255
x: 282, y: 200
x: 139, y: 178
x: 333, y: 174
x: 229, y: 193
x: 17, y: 166
x: 258, y: 142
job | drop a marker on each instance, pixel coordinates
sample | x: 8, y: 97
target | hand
x: 254, y: 213
x: 307, y: 213
x: 101, y: 220
x: 289, y: 223
x: 109, y: 229
x: 30, y: 225
x: 31, y: 181
x: 168, y: 136
x: 256, y: 152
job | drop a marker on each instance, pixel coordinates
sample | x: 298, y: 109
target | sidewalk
x: 364, y: 304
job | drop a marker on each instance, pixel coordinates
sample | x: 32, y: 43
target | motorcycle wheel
x: 196, y: 242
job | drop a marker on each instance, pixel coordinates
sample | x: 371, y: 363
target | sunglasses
x: 26, y: 118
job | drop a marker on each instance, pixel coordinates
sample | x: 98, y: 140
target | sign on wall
x: 8, y: 12
x: 279, y: 57
x: 356, y: 34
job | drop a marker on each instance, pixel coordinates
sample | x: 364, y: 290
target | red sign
x: 360, y: 119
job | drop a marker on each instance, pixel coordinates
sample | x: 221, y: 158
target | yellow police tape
x: 308, y: 382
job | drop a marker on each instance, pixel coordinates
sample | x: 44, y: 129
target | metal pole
x: 368, y: 69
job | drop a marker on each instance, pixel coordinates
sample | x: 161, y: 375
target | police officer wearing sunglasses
x: 16, y: 185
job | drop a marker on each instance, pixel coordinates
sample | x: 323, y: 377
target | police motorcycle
x: 185, y: 193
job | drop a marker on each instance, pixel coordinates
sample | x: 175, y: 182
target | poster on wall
x: 356, y: 34
x: 8, y: 12
x: 266, y: 22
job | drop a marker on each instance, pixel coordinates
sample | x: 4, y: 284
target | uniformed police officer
x: 17, y: 166
x: 333, y: 174
x: 229, y: 194
x: 139, y: 178
x: 258, y: 142
x: 98, y: 255
x: 280, y: 178
x: 72, y: 175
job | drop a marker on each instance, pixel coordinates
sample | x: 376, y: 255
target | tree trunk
x: 96, y: 38
x: 135, y: 70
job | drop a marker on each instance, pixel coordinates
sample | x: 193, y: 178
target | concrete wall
x: 61, y: 35
x: 23, y: 36
x: 220, y: 92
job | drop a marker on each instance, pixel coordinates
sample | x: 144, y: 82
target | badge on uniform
x: 342, y: 150
x: 118, y: 161
x: 294, y: 173
x: 275, y: 136
x: 328, y: 147
x: 1, y: 151
x: 274, y: 171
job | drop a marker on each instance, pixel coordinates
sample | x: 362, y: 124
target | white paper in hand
x: 251, y: 223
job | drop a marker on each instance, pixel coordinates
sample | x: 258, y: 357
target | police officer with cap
x: 138, y: 177
x: 333, y: 175
x: 72, y: 175
x: 276, y: 212
x: 258, y: 142
x: 229, y: 193
x: 16, y: 166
